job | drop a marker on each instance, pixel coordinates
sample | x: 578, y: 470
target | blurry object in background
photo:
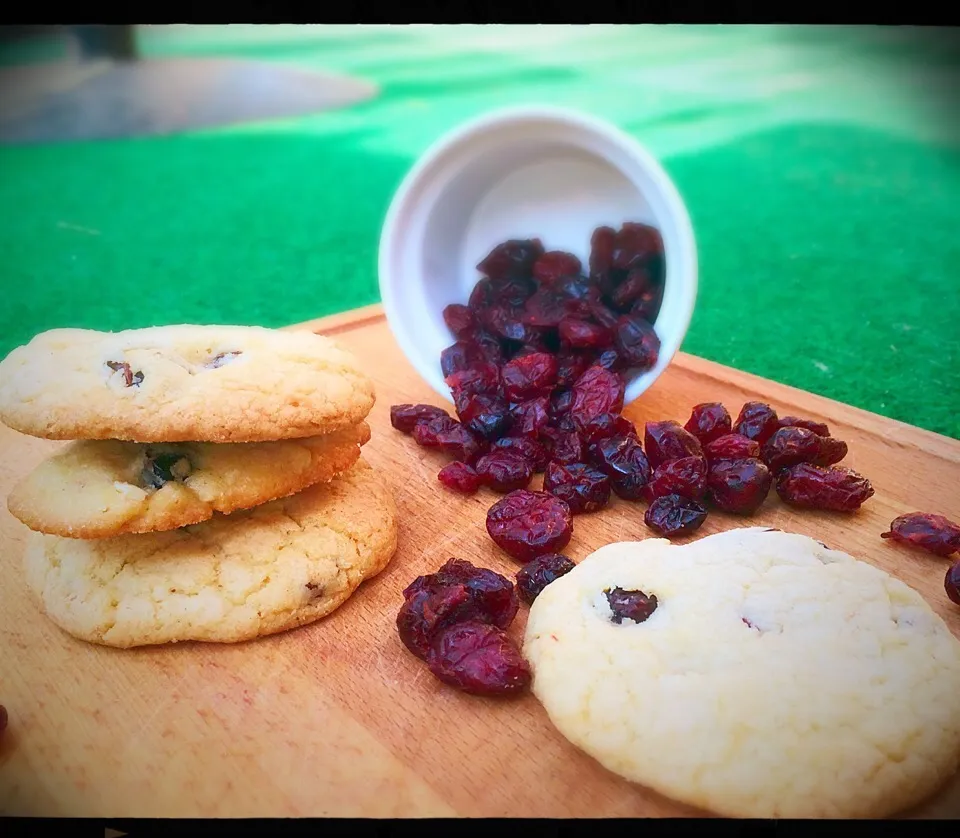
x: 106, y: 90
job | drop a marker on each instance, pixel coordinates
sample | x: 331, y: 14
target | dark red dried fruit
x: 546, y: 308
x: 534, y: 576
x: 480, y: 659
x: 636, y: 342
x: 486, y: 347
x: 596, y: 391
x: 506, y: 322
x: 562, y: 446
x: 789, y: 446
x: 529, y: 449
x: 504, y: 472
x: 603, y: 426
x: 450, y: 437
x: 756, y: 420
x: 602, y: 243
x: 160, y: 468
x: 831, y: 451
x: 528, y: 524
x: 636, y: 245
x: 404, y: 416
x: 926, y: 531
x: 667, y: 440
x: 530, y: 417
x: 528, y: 377
x: 486, y: 416
x: 460, y: 478
x: 731, y: 447
x: 738, y: 486
x: 512, y: 258
x: 602, y: 315
x: 560, y: 403
x: 686, y: 477
x: 458, y: 591
x: 130, y: 378
x: 576, y: 288
x: 622, y: 459
x: 580, y: 334
x: 837, y: 489
x: 555, y: 264
x: 610, y: 359
x: 636, y: 284
x: 648, y: 306
x: 583, y: 488
x: 674, y: 515
x: 818, y: 428
x: 459, y: 319
x: 630, y: 605
x: 482, y: 378
x: 709, y: 421
x: 456, y: 357
x: 570, y: 366
x: 951, y: 583
x: 221, y: 360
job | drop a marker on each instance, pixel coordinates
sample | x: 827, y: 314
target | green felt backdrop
x: 821, y: 167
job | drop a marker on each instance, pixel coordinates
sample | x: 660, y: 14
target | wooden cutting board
x: 337, y: 718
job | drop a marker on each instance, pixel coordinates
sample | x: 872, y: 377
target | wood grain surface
x: 337, y: 718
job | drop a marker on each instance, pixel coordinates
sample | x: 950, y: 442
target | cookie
x: 774, y: 678
x: 234, y: 578
x: 182, y: 383
x: 102, y: 488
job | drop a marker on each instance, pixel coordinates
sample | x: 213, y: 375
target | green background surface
x: 820, y: 165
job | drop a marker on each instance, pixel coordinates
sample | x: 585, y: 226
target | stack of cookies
x: 214, y: 491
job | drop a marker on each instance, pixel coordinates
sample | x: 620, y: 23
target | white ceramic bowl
x: 527, y: 172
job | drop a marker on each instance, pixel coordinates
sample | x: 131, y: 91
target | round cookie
x: 254, y: 573
x: 182, y: 383
x: 774, y: 678
x: 102, y: 488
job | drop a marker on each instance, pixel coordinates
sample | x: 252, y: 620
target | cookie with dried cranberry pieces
x: 102, y: 488
x: 182, y: 383
x: 233, y: 578
x: 728, y: 672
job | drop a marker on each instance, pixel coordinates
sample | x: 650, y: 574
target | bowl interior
x: 548, y: 179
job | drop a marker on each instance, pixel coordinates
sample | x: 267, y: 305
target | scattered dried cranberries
x: 673, y: 515
x: 478, y: 658
x: 814, y: 487
x: 529, y: 524
x: 534, y: 576
x: 933, y: 533
x: 583, y: 488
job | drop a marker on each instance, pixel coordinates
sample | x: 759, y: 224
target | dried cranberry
x: 530, y: 417
x: 583, y: 335
x: 130, y: 378
x: 674, y: 515
x: 160, y: 468
x: 602, y: 315
x: 513, y: 258
x: 555, y: 264
x: 529, y: 449
x: 630, y: 605
x: 560, y: 403
x: 486, y: 346
x: 789, y: 446
x: 648, y: 305
x: 951, y: 583
x: 480, y: 659
x: 813, y: 487
x: 507, y: 323
x: 636, y: 342
x: 563, y: 446
x: 631, y: 289
x: 486, y: 416
x: 546, y: 308
x: 584, y: 489
x: 450, y: 437
x: 529, y: 377
x: 605, y: 425
x: 459, y: 477
x: 504, y: 472
x: 602, y: 243
x: 665, y: 441
x: 831, y: 451
x: 818, y: 428
x: 482, y: 378
x: 455, y: 358
x: 686, y: 477
x: 738, y: 486
x: 933, y: 533
x: 622, y: 459
x: 221, y: 359
x: 576, y: 288
x: 528, y: 524
x: 636, y: 244
x: 596, y: 391
x: 570, y: 366
x: 756, y: 421
x: 534, y: 576
x: 731, y: 447
x: 404, y: 416
x: 459, y: 319
x: 708, y: 422
x: 458, y: 591
x: 610, y: 359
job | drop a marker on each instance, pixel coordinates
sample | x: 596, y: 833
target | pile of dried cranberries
x: 537, y: 374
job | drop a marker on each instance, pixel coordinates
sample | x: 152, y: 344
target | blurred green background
x: 821, y: 167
